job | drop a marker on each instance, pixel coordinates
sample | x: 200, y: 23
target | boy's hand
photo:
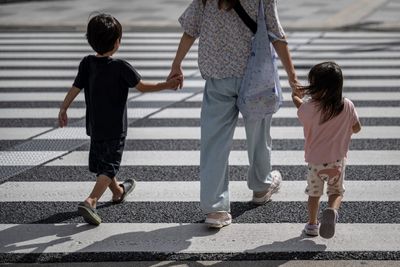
x: 175, y: 82
x: 62, y: 118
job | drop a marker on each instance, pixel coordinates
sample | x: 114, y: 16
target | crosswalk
x: 44, y: 169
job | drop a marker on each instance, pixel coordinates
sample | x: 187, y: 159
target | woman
x: 224, y: 48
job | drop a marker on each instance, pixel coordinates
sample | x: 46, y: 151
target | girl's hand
x: 62, y: 118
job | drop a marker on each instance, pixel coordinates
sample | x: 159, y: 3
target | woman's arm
x: 183, y: 48
x: 282, y: 50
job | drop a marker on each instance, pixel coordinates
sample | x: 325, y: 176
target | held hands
x: 296, y: 87
x: 176, y: 71
x: 62, y: 118
x: 175, y: 82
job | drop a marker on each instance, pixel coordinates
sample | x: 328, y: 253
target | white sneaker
x: 218, y: 219
x: 260, y: 198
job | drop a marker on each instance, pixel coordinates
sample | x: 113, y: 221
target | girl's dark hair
x: 102, y: 32
x: 325, y: 88
x: 226, y: 4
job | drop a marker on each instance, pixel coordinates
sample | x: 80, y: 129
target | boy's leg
x: 116, y: 189
x: 102, y: 183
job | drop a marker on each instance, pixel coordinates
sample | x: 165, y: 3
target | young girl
x: 329, y: 120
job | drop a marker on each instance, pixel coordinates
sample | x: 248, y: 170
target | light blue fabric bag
x: 260, y: 93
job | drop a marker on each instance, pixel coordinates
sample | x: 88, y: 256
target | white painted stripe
x: 79, y: 55
x: 25, y: 73
x: 193, y: 133
x: 86, y: 48
x: 126, y: 42
x: 162, y: 40
x: 43, y: 73
x: 355, y: 35
x: 194, y: 113
x: 198, y: 83
x: 22, y: 133
x: 189, y: 62
x: 193, y: 238
x: 355, y: 96
x: 179, y: 95
x: 359, y: 54
x: 339, y: 34
x: 82, y: 35
x: 177, y: 113
x: 187, y: 191
x: 75, y: 63
x: 357, y: 41
x: 172, y: 96
x: 350, y: 63
x: 42, y: 113
x: 27, y: 158
x: 237, y: 158
x: 43, y: 97
x: 345, y: 48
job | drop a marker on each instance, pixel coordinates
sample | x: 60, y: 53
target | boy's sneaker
x: 260, y: 198
x: 311, y: 229
x: 218, y: 219
x: 328, y: 223
x: 88, y: 213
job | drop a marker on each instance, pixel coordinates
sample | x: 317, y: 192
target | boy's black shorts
x: 105, y: 156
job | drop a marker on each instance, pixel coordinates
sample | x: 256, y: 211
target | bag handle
x: 245, y: 17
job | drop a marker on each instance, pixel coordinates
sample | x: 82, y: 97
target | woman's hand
x: 296, y: 87
x: 176, y: 71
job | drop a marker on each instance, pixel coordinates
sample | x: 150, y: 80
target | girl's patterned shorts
x: 331, y: 173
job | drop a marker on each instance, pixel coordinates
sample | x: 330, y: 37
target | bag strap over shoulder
x: 245, y: 17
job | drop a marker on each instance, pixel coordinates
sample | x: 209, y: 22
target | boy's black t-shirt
x: 106, y: 82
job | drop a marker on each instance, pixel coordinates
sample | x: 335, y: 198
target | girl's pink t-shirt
x: 327, y: 142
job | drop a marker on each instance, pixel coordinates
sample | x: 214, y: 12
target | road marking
x: 192, y: 238
x: 193, y: 133
x: 237, y: 158
x: 173, y: 191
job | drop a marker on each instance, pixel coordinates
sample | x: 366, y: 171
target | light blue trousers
x: 219, y: 116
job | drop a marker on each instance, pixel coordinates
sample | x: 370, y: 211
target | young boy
x: 106, y: 82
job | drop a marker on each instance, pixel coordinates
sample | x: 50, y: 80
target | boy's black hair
x: 325, y: 88
x: 102, y: 32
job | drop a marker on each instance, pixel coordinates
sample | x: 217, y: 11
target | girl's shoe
x: 218, y: 219
x: 328, y: 223
x: 311, y: 229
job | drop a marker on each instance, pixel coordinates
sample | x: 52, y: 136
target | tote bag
x: 260, y: 92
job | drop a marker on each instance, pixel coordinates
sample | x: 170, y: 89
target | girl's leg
x: 218, y: 121
x: 334, y: 201
x: 313, y: 208
x: 259, y: 152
